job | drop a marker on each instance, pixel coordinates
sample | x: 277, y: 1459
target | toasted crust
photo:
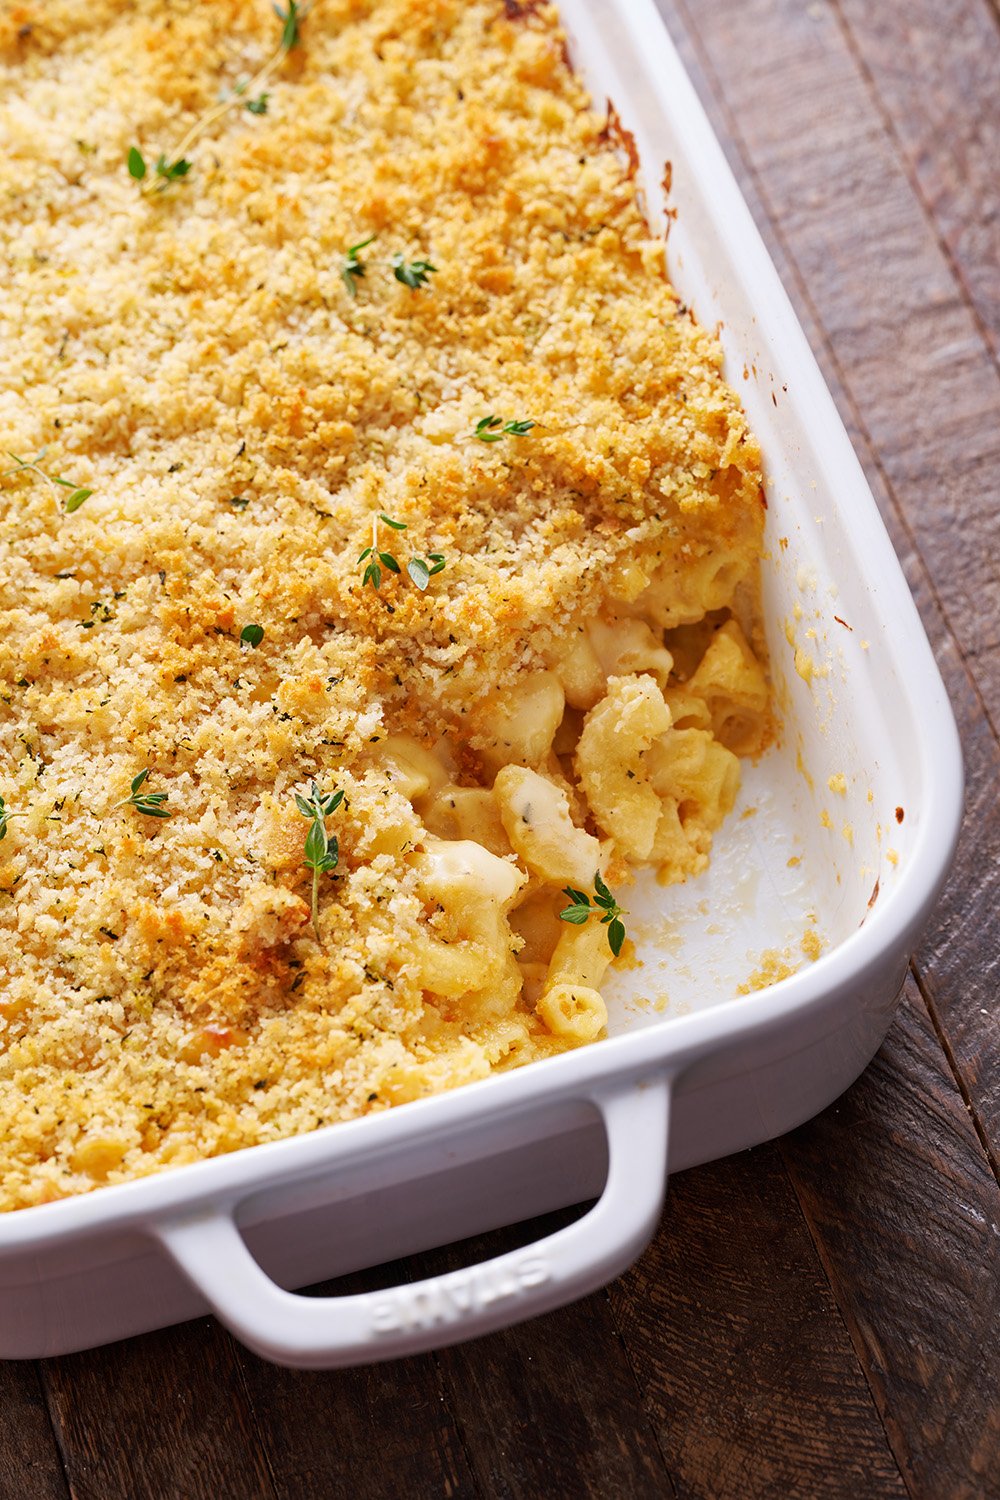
x: 163, y: 996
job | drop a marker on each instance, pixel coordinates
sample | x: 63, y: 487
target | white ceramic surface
x: 863, y: 701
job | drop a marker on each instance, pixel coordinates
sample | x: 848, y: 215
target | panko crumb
x: 194, y: 359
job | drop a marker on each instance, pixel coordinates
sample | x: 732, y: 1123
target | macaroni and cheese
x: 379, y: 552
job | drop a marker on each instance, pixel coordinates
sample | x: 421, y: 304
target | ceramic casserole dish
x: 840, y: 842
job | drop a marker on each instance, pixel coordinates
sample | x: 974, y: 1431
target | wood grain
x: 381, y: 1431
x: 934, y: 69
x: 946, y: 1441
x: 29, y: 1457
x: 163, y: 1417
x: 551, y: 1407
x: 748, y: 1371
x: 906, y: 1210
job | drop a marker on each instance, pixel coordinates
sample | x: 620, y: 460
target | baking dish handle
x: 325, y: 1332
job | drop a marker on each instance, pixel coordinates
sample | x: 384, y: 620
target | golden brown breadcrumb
x: 195, y: 359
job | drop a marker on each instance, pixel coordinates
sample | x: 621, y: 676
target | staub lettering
x: 449, y: 1299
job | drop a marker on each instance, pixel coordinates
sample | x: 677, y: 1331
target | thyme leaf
x: 73, y: 502
x: 412, y: 273
x: 322, y: 850
x: 580, y: 910
x: 493, y: 429
x: 353, y: 267
x: 290, y: 34
x: 5, y: 817
x: 150, y: 804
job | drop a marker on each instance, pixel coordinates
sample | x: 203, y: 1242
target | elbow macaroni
x: 611, y: 758
x: 555, y: 677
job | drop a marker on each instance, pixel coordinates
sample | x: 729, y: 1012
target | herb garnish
x: 420, y: 569
x: 165, y: 171
x: 73, y: 501
x: 170, y: 169
x: 492, y: 429
x: 252, y: 635
x: 580, y: 910
x: 354, y: 267
x: 149, y: 803
x: 373, y: 572
x: 290, y: 36
x: 411, y: 273
x: 322, y: 851
x: 5, y: 817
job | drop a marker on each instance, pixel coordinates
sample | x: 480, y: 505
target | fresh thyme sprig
x: 375, y: 557
x: 164, y: 172
x: 322, y: 850
x: 291, y: 20
x: 420, y: 569
x: 73, y: 501
x: 411, y: 273
x: 149, y: 803
x: 5, y: 817
x: 353, y: 267
x: 580, y: 910
x: 493, y: 429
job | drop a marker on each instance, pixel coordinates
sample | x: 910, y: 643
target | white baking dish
x: 724, y: 1072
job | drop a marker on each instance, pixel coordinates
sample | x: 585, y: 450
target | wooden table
x: 818, y: 1317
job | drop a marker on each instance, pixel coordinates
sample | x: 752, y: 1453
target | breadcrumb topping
x: 195, y: 359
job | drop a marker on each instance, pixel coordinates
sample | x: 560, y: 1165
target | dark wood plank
x: 29, y: 1457
x: 163, y: 1417
x: 373, y: 1433
x: 551, y: 1407
x: 898, y: 1193
x: 747, y: 1368
x: 935, y: 68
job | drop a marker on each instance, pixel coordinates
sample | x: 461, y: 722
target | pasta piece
x: 731, y: 681
x: 687, y: 710
x: 535, y: 920
x: 615, y: 646
x: 624, y: 646
x: 474, y: 890
x: 690, y: 584
x: 577, y: 666
x: 581, y: 956
x: 466, y: 812
x: 697, y: 779
x: 537, y: 818
x: 519, y: 725
x: 573, y: 1011
x: 411, y: 768
x: 609, y: 758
